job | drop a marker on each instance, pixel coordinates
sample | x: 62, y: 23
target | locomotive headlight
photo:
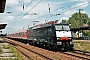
x: 59, y: 43
x: 71, y: 42
x: 58, y: 38
x: 69, y: 38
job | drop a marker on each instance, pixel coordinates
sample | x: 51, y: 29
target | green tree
x: 63, y: 21
x: 74, y: 20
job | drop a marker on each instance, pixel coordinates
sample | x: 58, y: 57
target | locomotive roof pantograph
x: 45, y: 24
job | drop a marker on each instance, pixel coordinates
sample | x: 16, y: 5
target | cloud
x: 64, y: 18
x: 59, y: 10
x: 69, y: 13
x: 41, y: 10
x: 11, y: 2
x: 80, y: 0
x: 80, y: 5
x: 28, y: 17
x: 26, y: 1
x: 9, y: 17
x: 4, y: 17
x: 83, y: 11
x: 72, y: 10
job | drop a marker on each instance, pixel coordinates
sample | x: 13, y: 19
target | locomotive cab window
x: 60, y: 27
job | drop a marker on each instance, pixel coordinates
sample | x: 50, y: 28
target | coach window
x: 19, y: 35
x: 24, y: 34
x: 16, y: 34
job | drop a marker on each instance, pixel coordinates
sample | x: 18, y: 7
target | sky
x: 20, y: 14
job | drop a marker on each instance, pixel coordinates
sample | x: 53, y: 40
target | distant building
x: 85, y: 25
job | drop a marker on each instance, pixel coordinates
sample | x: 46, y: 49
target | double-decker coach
x: 19, y: 35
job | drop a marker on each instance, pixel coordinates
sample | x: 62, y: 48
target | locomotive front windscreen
x: 62, y: 27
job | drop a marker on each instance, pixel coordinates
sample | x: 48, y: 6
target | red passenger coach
x: 24, y: 34
x: 14, y: 35
x: 19, y: 35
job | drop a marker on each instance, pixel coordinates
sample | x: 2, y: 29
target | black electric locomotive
x: 53, y: 36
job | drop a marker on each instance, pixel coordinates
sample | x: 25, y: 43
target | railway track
x: 35, y: 53
x: 28, y: 53
x: 79, y: 54
x: 82, y: 52
x: 25, y: 56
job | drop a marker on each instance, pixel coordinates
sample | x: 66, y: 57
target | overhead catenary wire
x: 23, y: 4
x: 26, y: 7
x: 13, y: 24
x: 75, y: 7
x: 51, y: 15
x: 28, y: 11
x: 60, y: 12
x: 58, y: 8
x: 67, y: 5
x: 21, y: 12
x: 32, y: 7
x: 71, y: 8
x: 68, y: 9
x: 49, y: 8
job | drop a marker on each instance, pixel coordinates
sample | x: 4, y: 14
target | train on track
x: 52, y: 35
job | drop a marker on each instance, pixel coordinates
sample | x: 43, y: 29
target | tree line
x: 79, y: 20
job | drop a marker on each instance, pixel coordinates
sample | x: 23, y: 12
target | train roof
x: 46, y: 25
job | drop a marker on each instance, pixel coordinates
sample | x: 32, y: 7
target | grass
x: 37, y: 55
x: 75, y: 45
x: 19, y: 57
x: 81, y: 43
x: 8, y: 59
x: 0, y: 51
x: 31, y: 59
x: 16, y: 53
x: 83, y: 46
x: 55, y: 57
x: 84, y: 51
x: 6, y: 46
